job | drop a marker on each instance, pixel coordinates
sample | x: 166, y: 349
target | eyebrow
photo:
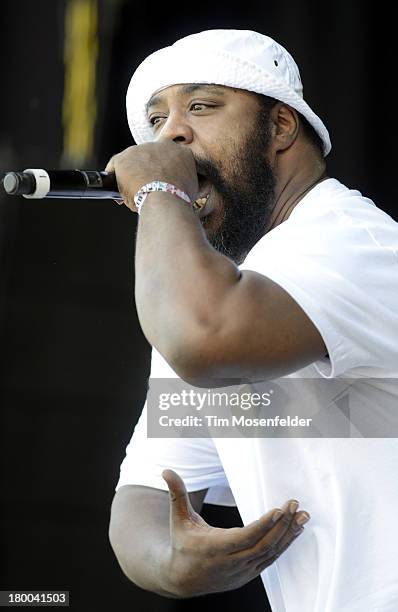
x: 187, y: 89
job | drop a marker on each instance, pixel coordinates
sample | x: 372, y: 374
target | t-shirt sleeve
x: 195, y: 459
x: 340, y: 265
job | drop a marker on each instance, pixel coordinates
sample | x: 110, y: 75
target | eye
x: 154, y: 120
x: 200, y: 104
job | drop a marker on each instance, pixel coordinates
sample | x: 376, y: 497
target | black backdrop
x: 74, y: 359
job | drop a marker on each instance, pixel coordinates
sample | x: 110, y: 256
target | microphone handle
x: 71, y: 184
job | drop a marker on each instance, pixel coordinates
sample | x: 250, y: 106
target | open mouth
x: 203, y: 193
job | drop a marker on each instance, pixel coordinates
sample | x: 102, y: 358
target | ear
x: 285, y: 126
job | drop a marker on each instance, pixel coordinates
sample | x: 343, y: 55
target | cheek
x: 230, y: 160
x: 214, y: 146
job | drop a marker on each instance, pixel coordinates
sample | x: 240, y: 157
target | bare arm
x: 139, y: 533
x: 190, y: 298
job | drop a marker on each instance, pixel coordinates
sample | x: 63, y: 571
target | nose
x: 176, y: 128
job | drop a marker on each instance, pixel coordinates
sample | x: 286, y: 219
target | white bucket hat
x: 235, y: 58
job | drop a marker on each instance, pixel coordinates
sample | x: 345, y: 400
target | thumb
x: 110, y: 166
x: 180, y: 505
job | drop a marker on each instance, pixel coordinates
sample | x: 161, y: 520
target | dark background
x: 74, y: 359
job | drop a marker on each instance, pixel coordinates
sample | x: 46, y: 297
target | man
x: 283, y: 272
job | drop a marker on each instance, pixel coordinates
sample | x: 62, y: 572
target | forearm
x: 181, y: 280
x: 145, y: 564
x: 140, y: 539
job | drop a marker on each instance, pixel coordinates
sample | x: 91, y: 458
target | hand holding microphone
x: 163, y: 161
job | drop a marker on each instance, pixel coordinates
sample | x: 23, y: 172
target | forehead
x: 184, y: 90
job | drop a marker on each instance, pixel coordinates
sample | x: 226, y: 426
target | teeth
x: 200, y: 203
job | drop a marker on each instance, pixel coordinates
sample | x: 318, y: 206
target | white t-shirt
x: 337, y: 256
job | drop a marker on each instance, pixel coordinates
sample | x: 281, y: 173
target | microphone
x: 75, y: 184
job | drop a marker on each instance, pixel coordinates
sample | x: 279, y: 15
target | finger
x: 285, y: 530
x: 110, y: 166
x: 180, y: 505
x: 272, y: 546
x: 261, y: 564
x: 240, y: 538
x: 283, y: 533
x: 272, y: 532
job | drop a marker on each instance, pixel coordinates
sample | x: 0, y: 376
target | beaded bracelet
x: 142, y: 193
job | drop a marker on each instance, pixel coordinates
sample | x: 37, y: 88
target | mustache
x: 208, y: 169
x: 201, y: 164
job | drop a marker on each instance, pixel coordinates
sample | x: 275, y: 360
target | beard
x: 246, y: 185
